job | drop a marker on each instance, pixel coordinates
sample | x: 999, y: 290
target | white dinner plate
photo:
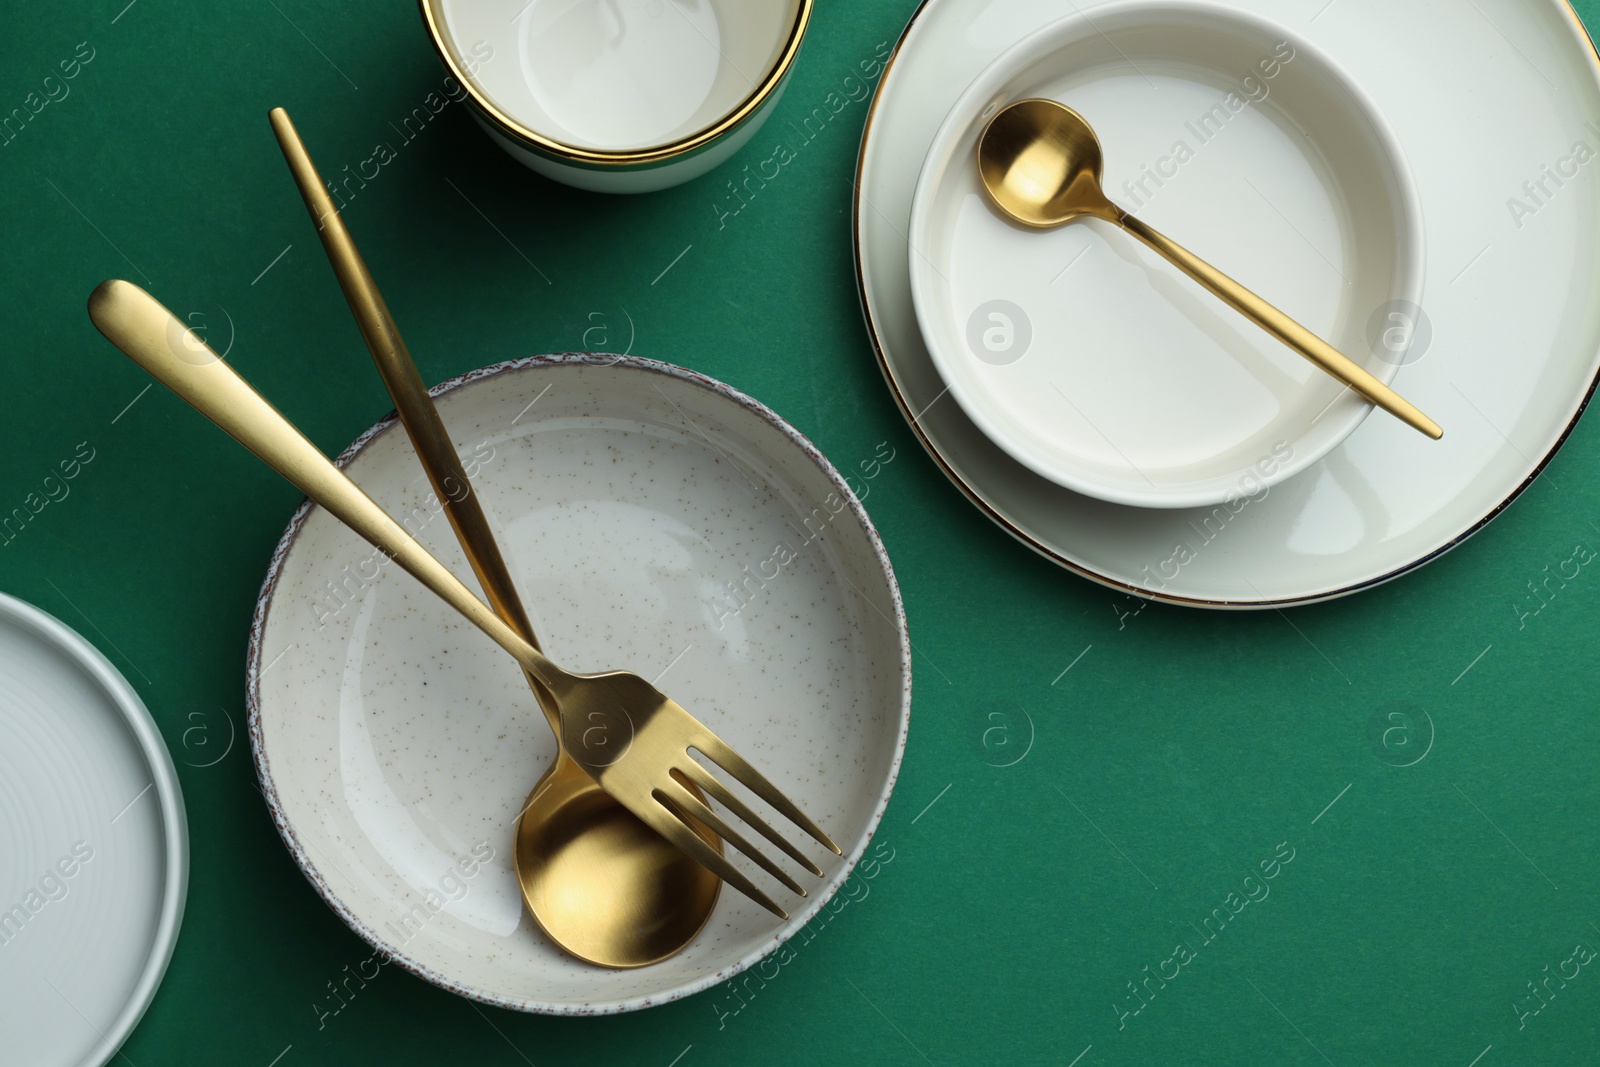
x: 94, y: 848
x: 1090, y: 359
x: 656, y: 521
x: 1502, y: 352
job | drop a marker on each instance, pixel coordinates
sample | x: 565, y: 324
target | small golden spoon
x: 1040, y: 163
x: 599, y: 882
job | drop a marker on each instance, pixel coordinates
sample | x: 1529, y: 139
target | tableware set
x: 618, y: 852
x: 1250, y: 155
x: 653, y: 517
x: 1177, y: 428
x: 648, y: 775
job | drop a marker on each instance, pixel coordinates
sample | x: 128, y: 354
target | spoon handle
x: 1282, y: 327
x: 158, y: 341
x: 417, y: 413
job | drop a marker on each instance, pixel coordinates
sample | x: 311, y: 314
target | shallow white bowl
x: 1094, y: 362
x: 396, y: 744
x: 625, y: 96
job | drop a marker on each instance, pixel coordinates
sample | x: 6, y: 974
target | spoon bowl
x: 1041, y: 164
x: 602, y: 884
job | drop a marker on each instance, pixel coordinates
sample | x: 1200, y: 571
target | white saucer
x: 656, y: 521
x: 1097, y: 364
x: 94, y: 848
x: 1504, y: 354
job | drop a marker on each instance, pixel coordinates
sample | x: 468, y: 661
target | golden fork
x: 599, y: 883
x: 651, y: 775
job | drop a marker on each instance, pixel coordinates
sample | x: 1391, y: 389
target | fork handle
x: 158, y: 341
x: 412, y: 403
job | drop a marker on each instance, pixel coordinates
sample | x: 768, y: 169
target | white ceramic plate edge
x: 174, y: 820
x: 309, y: 868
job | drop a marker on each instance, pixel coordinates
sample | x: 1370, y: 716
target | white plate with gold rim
x: 655, y: 520
x: 1503, y: 351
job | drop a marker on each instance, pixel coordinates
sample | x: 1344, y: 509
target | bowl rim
x: 797, y: 921
x: 1410, y: 267
x: 765, y: 89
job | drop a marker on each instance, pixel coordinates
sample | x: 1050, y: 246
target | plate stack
x: 1114, y: 416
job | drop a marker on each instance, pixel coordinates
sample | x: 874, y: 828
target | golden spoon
x: 600, y: 883
x: 1040, y: 163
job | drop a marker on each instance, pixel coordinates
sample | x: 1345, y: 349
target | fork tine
x: 719, y: 752
x: 687, y: 802
x: 718, y: 792
x: 670, y: 824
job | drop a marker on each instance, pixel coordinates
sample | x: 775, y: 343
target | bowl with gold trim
x: 619, y: 96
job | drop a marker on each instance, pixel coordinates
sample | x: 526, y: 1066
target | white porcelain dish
x: 625, y: 96
x: 656, y: 521
x: 1503, y: 352
x: 94, y: 848
x: 1093, y: 361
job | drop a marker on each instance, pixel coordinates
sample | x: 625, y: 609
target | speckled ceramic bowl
x: 657, y: 521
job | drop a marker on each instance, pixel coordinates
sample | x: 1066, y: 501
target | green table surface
x: 1182, y: 751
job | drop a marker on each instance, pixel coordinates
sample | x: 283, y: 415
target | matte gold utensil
x: 600, y: 883
x: 1040, y: 163
x: 649, y: 773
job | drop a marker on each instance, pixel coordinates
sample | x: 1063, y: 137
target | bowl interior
x: 1096, y: 363
x: 656, y: 522
x: 624, y: 75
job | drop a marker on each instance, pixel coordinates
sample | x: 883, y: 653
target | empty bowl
x: 619, y: 96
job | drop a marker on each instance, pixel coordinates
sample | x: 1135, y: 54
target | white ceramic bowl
x: 1097, y: 364
x: 625, y: 96
x: 642, y: 508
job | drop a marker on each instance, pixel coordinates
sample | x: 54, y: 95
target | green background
x: 1180, y: 750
